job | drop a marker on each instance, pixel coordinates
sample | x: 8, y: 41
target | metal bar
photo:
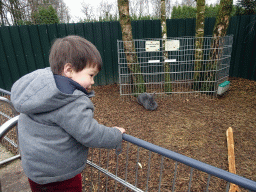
x: 137, y: 164
x: 126, y: 166
x: 10, y: 159
x: 161, y: 172
x: 190, y: 179
x: 208, y: 182
x: 6, y: 116
x: 99, y: 182
x: 230, y: 177
x: 175, y: 174
x: 148, y: 173
x: 123, y: 182
x: 116, y: 170
x: 107, y: 170
x: 11, y: 142
x: 7, y: 126
x: 5, y: 92
x: 227, y: 187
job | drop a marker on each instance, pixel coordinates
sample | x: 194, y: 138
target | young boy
x: 56, y: 125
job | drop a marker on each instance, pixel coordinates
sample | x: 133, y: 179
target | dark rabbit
x: 147, y: 101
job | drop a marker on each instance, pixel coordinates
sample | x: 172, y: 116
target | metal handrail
x: 230, y: 177
x: 7, y: 126
x: 9, y: 103
x: 5, y: 92
x: 4, y: 129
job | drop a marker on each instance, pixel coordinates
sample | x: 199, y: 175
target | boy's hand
x: 120, y: 129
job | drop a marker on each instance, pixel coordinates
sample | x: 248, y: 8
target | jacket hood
x: 37, y: 92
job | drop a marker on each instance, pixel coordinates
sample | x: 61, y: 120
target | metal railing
x: 7, y: 112
x: 143, y: 166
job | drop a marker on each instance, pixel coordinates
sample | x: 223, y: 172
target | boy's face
x: 85, y: 77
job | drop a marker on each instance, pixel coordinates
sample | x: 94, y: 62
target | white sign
x: 169, y: 60
x: 152, y: 46
x: 153, y: 61
x: 172, y: 45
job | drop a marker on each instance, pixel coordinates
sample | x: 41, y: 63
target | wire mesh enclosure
x: 174, y: 66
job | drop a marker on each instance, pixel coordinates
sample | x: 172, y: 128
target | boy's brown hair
x: 74, y: 50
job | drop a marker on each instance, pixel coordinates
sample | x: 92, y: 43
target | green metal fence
x: 26, y: 48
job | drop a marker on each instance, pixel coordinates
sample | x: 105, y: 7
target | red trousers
x: 71, y: 185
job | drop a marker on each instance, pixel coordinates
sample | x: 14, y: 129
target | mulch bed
x: 192, y: 126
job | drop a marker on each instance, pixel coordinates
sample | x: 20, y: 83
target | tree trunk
x: 219, y: 31
x: 129, y: 48
x: 199, y: 44
x: 167, y: 77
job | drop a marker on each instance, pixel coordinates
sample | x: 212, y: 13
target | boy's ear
x: 68, y: 70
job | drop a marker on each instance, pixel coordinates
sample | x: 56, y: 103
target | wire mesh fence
x: 174, y: 66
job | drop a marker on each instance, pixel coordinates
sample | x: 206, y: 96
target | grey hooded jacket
x: 56, y: 128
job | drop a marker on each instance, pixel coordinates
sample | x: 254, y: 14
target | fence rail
x: 143, y: 166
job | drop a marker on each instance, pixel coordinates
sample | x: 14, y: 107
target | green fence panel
x: 71, y: 29
x: 45, y: 43
x: 10, y: 54
x: 107, y: 57
x: 98, y: 42
x: 79, y: 28
x: 139, y: 32
x: 172, y: 27
x: 244, y: 21
x: 62, y: 31
x: 36, y: 46
x: 182, y: 28
x: 6, y: 76
x: 18, y: 49
x: 209, y: 26
x: 190, y: 27
x: 116, y: 34
x: 157, y: 32
x: 233, y: 30
x: 88, y: 32
x: 52, y: 32
x: 148, y: 29
x: 27, y: 47
x: 247, y: 51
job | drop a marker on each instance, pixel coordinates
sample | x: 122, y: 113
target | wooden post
x: 231, y: 158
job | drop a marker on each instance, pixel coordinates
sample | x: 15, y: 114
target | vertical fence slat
x: 107, y: 51
x: 52, y: 32
x: 79, y: 29
x: 89, y: 32
x: 36, y: 46
x: 233, y: 30
x: 190, y: 27
x: 19, y: 53
x: 115, y: 33
x: 71, y: 29
x: 45, y: 43
x: 26, y: 43
x: 10, y: 54
x: 62, y: 31
x: 6, y: 78
x: 240, y: 40
x: 98, y: 42
x: 248, y: 49
x: 182, y: 27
